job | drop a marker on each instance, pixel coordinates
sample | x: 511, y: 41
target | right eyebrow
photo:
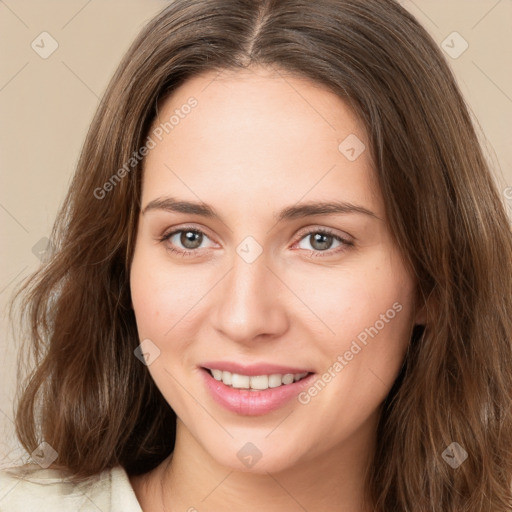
x: 173, y: 205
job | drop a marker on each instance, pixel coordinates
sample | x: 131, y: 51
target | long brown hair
x: 93, y: 401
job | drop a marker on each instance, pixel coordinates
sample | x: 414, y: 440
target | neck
x: 191, y: 480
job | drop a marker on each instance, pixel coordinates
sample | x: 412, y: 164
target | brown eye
x: 190, y: 239
x: 184, y: 241
x: 321, y: 241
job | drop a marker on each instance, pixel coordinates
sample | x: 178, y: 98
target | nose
x: 250, y: 302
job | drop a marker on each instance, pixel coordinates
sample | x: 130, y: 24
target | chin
x: 248, y: 458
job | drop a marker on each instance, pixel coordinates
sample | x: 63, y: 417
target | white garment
x: 30, y: 488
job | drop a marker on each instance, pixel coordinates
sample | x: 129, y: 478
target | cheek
x: 370, y: 312
x: 165, y: 299
x: 374, y: 293
x: 163, y: 294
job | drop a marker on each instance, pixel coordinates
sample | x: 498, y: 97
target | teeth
x: 217, y: 374
x: 239, y: 381
x: 258, y: 382
x: 226, y: 377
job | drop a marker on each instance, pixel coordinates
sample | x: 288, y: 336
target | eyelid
x: 325, y: 229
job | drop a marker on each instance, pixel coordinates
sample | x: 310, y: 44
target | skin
x: 260, y: 140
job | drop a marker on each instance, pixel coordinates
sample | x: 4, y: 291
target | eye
x: 187, y: 242
x: 184, y: 241
x: 321, y: 241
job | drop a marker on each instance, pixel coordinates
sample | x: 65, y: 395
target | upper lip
x: 253, y: 369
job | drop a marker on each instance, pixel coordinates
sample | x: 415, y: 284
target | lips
x: 253, y: 402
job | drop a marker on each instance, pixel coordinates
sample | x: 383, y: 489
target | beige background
x: 46, y: 106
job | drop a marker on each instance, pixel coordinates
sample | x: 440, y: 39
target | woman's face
x: 255, y: 278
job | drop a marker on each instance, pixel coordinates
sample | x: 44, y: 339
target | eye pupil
x: 191, y: 237
x: 324, y: 240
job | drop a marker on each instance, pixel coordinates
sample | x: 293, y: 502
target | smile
x: 255, y: 382
x: 253, y: 395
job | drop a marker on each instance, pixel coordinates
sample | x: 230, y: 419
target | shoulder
x: 30, y: 487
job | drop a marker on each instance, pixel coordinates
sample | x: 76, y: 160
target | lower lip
x: 253, y: 403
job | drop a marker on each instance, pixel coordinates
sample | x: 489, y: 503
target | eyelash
x: 314, y: 253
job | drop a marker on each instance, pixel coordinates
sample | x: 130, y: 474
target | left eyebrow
x: 322, y: 208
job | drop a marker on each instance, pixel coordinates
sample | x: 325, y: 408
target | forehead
x: 258, y: 135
